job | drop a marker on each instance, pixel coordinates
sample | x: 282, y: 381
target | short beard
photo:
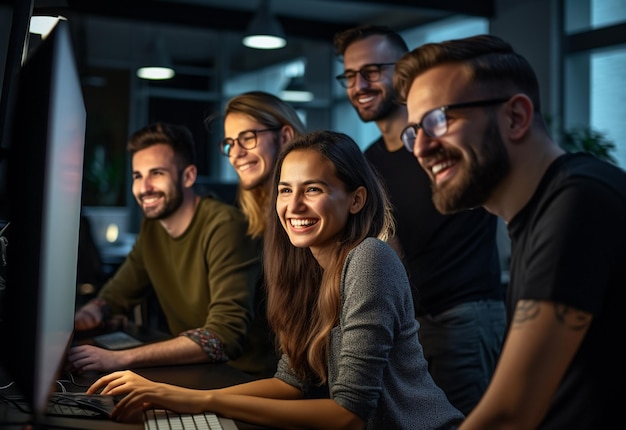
x: 486, y: 170
x: 387, y: 107
x: 174, y: 202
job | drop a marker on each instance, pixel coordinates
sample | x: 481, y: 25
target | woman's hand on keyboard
x: 140, y: 393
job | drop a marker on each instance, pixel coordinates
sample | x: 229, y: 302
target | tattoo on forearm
x: 526, y: 310
x: 572, y: 318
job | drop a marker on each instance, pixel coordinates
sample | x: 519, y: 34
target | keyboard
x: 116, y: 340
x: 79, y: 405
x: 160, y: 419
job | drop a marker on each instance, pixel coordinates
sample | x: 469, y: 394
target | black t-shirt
x: 450, y: 259
x: 569, y: 246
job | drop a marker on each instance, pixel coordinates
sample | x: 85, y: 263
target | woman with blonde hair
x: 256, y: 125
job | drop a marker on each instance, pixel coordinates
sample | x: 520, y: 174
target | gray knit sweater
x: 376, y: 364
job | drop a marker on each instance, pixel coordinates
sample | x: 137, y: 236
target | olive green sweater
x: 206, y: 282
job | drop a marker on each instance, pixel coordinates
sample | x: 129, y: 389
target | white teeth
x: 365, y: 99
x: 245, y: 166
x: 302, y: 222
x: 440, y: 166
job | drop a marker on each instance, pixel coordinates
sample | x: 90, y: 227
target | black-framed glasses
x: 435, y: 121
x: 369, y: 72
x: 246, y: 139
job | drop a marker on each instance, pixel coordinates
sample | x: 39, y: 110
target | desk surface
x: 201, y: 376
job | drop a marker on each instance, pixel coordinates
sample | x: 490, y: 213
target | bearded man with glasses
x: 476, y: 128
x: 452, y: 260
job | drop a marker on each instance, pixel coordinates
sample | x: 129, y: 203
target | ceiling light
x: 264, y: 31
x: 155, y: 73
x: 43, y: 25
x: 155, y: 63
x: 296, y: 91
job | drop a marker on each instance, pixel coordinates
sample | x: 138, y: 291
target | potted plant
x: 587, y: 139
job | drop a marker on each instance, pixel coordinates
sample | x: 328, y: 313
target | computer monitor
x: 44, y: 181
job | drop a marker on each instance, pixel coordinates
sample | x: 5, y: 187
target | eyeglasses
x: 369, y: 72
x: 435, y: 121
x: 246, y: 139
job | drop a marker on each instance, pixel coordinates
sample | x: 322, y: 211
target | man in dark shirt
x: 452, y: 260
x: 476, y: 127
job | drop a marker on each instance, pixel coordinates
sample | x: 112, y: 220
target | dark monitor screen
x: 44, y: 180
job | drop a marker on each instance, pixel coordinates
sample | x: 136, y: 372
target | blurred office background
x: 578, y: 49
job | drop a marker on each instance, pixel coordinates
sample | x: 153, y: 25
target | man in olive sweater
x: 194, y: 252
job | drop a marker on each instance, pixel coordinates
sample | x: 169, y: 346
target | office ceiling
x: 199, y: 33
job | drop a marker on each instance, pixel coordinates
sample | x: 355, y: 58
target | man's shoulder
x: 574, y: 167
x: 214, y: 205
x: 213, y: 216
x: 213, y: 210
x: 589, y: 166
x: 375, y: 147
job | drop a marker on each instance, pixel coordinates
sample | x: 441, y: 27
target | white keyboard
x: 160, y: 419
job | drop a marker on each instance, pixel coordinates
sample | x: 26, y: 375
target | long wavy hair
x: 272, y: 112
x: 303, y: 299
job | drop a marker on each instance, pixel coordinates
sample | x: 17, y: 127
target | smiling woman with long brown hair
x: 339, y: 302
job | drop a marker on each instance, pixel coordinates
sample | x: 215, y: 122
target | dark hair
x: 495, y: 66
x: 178, y: 137
x: 347, y: 37
x: 303, y: 299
